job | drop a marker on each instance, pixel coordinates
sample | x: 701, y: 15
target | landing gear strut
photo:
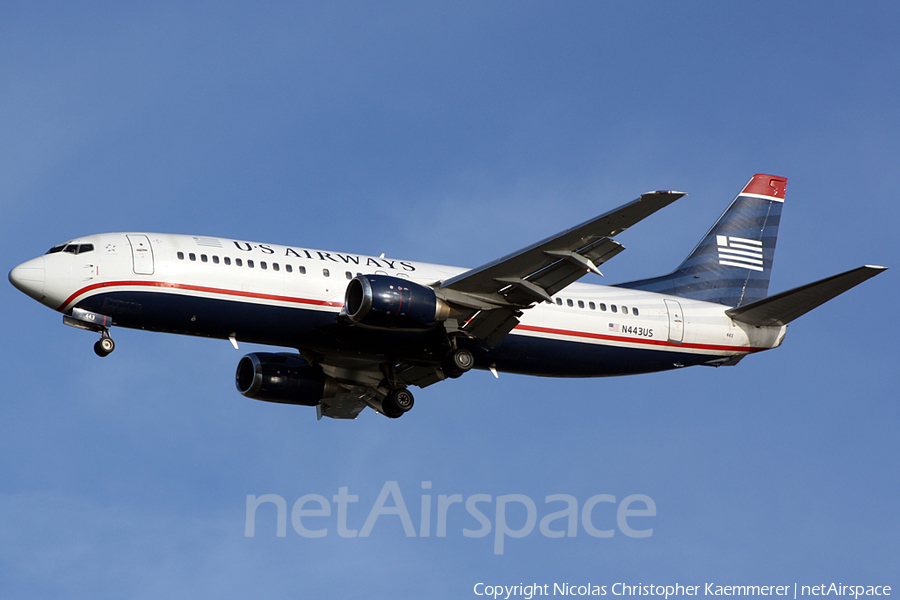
x: 105, y: 345
x: 397, y: 402
x: 91, y: 321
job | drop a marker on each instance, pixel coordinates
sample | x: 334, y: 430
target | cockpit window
x: 71, y: 248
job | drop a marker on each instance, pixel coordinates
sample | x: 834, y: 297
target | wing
x: 488, y: 300
x: 365, y: 382
x: 497, y: 292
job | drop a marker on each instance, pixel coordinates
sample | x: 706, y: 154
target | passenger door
x: 676, y: 321
x: 141, y: 254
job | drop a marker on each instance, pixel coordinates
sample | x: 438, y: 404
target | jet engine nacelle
x: 387, y: 302
x: 284, y: 378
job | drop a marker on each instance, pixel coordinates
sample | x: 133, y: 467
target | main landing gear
x: 105, y: 345
x: 457, y: 362
x: 397, y: 402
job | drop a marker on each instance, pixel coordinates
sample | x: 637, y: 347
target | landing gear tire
x: 458, y: 362
x: 104, y: 346
x: 397, y: 402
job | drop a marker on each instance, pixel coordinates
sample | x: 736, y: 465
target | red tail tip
x: 766, y: 185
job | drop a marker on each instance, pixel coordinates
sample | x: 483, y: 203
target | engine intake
x: 387, y: 302
x: 283, y: 377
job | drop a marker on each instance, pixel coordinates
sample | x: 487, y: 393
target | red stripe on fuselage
x: 630, y: 340
x: 196, y: 288
x: 294, y: 300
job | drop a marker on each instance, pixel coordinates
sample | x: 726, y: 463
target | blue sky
x: 451, y: 133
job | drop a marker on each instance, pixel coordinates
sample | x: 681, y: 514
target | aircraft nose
x: 29, y: 277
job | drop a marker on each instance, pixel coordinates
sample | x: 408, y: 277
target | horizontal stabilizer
x: 783, y: 308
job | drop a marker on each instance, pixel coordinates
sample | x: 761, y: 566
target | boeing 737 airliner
x: 365, y: 328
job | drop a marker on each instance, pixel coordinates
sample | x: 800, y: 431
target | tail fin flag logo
x: 740, y: 252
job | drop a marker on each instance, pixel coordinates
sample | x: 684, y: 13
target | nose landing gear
x: 105, y: 345
x: 91, y: 321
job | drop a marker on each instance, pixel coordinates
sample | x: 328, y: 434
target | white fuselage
x: 203, y: 285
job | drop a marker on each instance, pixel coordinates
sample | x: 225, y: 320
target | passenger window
x: 215, y: 259
x: 239, y: 262
x: 263, y: 265
x: 326, y: 273
x: 275, y: 267
x: 602, y: 306
x: 181, y: 256
x: 349, y: 275
x: 203, y: 258
x: 613, y: 308
x: 559, y: 301
x: 592, y: 305
x: 634, y: 311
x: 289, y: 268
x: 192, y: 256
x: 581, y: 304
x: 624, y: 310
x: 569, y: 302
x: 227, y: 260
x: 302, y: 270
x: 250, y: 264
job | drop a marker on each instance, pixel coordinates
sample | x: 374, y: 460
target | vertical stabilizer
x: 731, y: 265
